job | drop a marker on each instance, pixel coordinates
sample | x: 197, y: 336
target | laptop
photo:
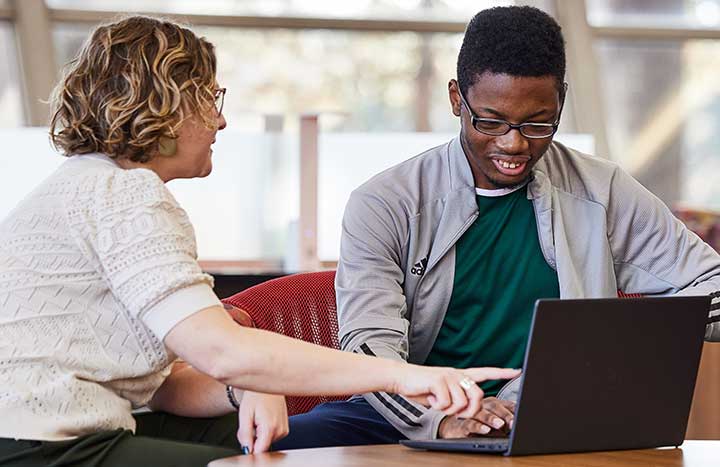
x: 602, y: 374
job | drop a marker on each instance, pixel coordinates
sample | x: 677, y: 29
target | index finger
x: 486, y: 373
x: 263, y: 440
x: 475, y: 399
x: 246, y: 429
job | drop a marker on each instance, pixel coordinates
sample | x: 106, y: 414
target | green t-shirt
x: 499, y: 273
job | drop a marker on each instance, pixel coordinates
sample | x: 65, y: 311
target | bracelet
x: 231, y: 397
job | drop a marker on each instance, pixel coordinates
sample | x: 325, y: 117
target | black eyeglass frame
x: 220, y: 96
x: 474, y: 119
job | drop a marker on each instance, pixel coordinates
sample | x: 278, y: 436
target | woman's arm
x: 262, y: 361
x: 262, y: 418
x: 191, y: 393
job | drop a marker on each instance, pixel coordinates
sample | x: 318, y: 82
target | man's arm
x: 372, y: 311
x: 655, y: 253
x: 371, y: 302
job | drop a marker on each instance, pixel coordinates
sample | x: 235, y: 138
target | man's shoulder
x: 567, y: 159
x: 422, y: 176
x: 576, y: 173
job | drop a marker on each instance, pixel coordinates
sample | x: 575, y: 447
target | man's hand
x: 494, y: 419
x: 452, y: 391
x: 262, y: 419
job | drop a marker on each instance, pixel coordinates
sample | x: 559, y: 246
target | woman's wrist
x: 394, y: 375
x: 233, y: 397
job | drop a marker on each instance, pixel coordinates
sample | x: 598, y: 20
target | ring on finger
x: 466, y: 383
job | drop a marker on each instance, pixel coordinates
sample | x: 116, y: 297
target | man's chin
x: 513, y: 183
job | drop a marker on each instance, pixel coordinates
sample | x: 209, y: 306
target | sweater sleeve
x: 143, y: 246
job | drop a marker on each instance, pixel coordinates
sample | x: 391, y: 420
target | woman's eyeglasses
x: 220, y: 99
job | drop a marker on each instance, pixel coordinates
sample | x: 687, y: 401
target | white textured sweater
x: 97, y: 264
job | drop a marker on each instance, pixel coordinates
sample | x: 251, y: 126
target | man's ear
x: 454, y: 95
x: 563, y: 95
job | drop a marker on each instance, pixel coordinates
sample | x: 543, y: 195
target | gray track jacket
x: 598, y: 228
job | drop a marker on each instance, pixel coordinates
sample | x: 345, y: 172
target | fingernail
x: 245, y: 450
x: 484, y: 430
x: 510, y: 424
x: 497, y: 423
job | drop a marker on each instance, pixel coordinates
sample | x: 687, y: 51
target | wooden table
x: 690, y: 454
x: 704, y: 420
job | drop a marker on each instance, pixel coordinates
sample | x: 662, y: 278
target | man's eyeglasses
x: 220, y: 99
x: 497, y: 127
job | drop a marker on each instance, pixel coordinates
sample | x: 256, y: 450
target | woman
x: 100, y: 290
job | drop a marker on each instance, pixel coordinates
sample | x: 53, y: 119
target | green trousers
x: 160, y: 440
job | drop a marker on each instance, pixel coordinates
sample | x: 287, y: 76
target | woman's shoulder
x: 103, y: 173
x: 101, y: 179
x: 103, y: 190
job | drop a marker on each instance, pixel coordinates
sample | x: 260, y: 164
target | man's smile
x: 511, y: 166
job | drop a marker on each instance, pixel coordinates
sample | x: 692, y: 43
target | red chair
x: 622, y: 294
x: 300, y: 306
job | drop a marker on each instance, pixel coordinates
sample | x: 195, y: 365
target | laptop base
x: 489, y: 445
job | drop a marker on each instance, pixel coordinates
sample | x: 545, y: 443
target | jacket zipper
x: 454, y: 240
x: 540, y: 240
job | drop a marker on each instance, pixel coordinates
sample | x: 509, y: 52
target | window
x: 10, y: 92
x: 376, y: 87
x: 424, y: 10
x: 68, y: 38
x: 341, y: 74
x: 658, y: 13
x: 27, y: 160
x: 663, y: 110
x: 247, y: 208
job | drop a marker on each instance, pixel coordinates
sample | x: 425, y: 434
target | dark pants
x: 347, y: 423
x: 160, y: 440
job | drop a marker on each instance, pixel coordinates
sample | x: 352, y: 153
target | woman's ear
x: 167, y: 146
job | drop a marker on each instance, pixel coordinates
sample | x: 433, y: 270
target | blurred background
x: 322, y: 94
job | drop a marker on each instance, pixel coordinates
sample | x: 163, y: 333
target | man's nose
x: 512, y: 142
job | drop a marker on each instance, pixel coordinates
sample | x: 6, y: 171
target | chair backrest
x: 300, y: 306
x: 706, y: 224
x: 622, y: 294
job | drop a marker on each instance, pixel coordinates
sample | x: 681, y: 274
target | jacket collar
x: 461, y: 174
x: 461, y: 205
x: 539, y: 185
x: 459, y: 167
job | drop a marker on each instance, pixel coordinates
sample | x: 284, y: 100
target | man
x: 443, y: 256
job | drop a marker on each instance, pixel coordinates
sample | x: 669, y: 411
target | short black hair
x: 513, y: 40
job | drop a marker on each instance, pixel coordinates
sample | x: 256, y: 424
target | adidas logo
x: 419, y: 268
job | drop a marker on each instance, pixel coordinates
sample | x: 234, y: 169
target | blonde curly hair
x: 134, y: 81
